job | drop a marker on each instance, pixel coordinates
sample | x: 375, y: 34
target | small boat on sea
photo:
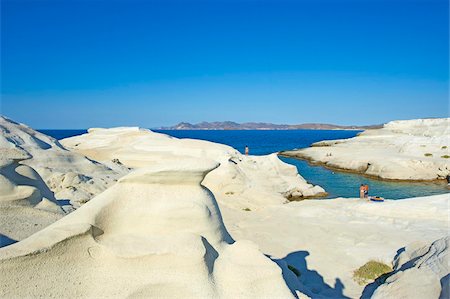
x: 376, y: 198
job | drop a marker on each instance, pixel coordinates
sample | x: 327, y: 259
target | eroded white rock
x: 69, y: 175
x: 420, y: 272
x: 157, y: 233
x: 402, y: 150
x: 26, y: 203
x: 240, y: 181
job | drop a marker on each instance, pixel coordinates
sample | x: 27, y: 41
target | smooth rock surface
x: 326, y: 240
x: 26, y: 203
x: 69, y: 175
x: 240, y: 181
x: 420, y: 272
x: 402, y: 150
x: 157, y: 233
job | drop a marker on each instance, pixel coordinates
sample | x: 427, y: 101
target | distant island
x: 229, y: 125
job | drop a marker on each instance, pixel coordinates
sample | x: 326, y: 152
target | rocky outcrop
x: 157, y: 233
x: 69, y: 175
x: 402, y: 150
x: 26, y: 203
x: 420, y: 272
x: 240, y: 181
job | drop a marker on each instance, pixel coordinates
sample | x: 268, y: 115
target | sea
x: 264, y: 142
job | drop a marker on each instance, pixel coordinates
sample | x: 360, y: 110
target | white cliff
x: 402, y: 150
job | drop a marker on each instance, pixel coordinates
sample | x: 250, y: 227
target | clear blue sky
x: 78, y: 64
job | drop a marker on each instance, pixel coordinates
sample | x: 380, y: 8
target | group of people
x: 363, y: 191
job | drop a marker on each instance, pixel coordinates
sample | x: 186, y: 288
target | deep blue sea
x: 266, y: 142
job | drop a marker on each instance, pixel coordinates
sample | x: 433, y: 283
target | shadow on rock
x: 5, y: 241
x: 309, y: 282
x: 445, y: 284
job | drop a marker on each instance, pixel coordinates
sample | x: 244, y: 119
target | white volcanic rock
x: 157, y: 233
x: 240, y: 181
x: 420, y: 272
x: 326, y: 240
x: 401, y: 150
x: 26, y: 203
x: 69, y: 175
x: 257, y: 181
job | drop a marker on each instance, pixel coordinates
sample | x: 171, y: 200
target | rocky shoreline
x: 410, y: 151
x: 299, y: 156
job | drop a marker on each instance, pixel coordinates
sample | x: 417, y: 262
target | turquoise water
x: 266, y: 142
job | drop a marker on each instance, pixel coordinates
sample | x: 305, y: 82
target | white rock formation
x: 69, y: 175
x: 326, y: 240
x: 420, y: 272
x: 401, y: 150
x: 26, y: 203
x: 157, y: 233
x: 240, y: 181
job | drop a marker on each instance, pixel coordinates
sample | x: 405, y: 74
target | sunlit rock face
x: 239, y: 182
x: 157, y: 233
x: 402, y: 150
x: 420, y: 272
x: 26, y: 203
x: 69, y: 175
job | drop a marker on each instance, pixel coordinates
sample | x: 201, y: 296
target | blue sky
x: 79, y: 64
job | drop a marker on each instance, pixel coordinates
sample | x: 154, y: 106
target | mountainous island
x: 229, y: 125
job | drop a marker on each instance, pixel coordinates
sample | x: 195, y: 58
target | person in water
x: 366, y: 191
x: 361, y: 191
x: 246, y: 150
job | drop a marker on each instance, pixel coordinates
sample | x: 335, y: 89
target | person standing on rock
x: 246, y: 150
